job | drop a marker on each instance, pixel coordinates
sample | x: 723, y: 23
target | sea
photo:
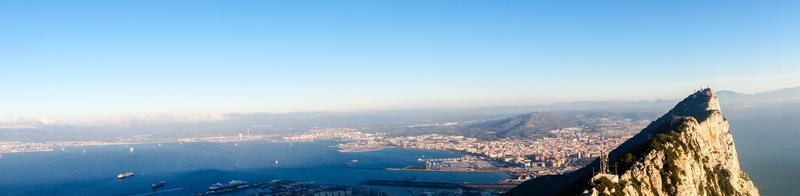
x: 189, y: 168
x: 767, y: 140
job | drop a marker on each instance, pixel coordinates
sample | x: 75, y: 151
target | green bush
x: 628, y: 158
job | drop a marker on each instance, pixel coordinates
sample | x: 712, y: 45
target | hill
x: 687, y: 151
x: 540, y: 123
x: 731, y: 98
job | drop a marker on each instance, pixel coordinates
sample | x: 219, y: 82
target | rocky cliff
x: 688, y: 151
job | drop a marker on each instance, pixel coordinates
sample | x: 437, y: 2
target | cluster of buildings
x: 467, y: 163
x: 17, y: 146
x: 563, y: 150
x: 336, y: 133
x: 20, y: 146
x: 230, y: 138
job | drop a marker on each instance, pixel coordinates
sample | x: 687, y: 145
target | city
x: 563, y: 150
x: 567, y: 149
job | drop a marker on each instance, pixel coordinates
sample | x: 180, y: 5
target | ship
x: 124, y: 175
x: 159, y: 185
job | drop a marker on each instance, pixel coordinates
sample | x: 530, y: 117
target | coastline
x: 499, y: 170
x: 350, y: 148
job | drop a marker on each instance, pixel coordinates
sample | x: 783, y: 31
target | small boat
x: 276, y: 162
x: 131, y: 149
x: 159, y: 185
x: 124, y: 175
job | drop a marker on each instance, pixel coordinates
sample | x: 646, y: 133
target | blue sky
x: 89, y: 59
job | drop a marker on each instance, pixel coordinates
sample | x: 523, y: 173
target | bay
x: 192, y: 167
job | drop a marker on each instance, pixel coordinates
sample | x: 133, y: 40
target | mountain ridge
x: 541, y: 123
x: 687, y: 151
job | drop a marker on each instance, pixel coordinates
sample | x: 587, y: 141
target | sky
x: 94, y: 59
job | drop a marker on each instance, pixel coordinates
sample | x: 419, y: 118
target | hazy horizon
x: 105, y: 60
x: 126, y: 118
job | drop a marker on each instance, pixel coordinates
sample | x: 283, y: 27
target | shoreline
x: 438, y: 170
x: 359, y: 148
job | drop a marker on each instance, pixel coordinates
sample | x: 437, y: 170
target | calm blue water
x: 195, y: 166
x: 768, y: 142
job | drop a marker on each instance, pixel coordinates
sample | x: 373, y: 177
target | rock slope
x: 688, y: 151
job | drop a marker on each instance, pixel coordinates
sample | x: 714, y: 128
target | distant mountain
x: 525, y: 125
x: 540, y: 123
x: 485, y: 122
x: 688, y: 151
x: 777, y: 96
x: 727, y: 98
x: 232, y: 124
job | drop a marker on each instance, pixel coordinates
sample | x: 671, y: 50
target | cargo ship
x: 124, y: 175
x: 159, y: 185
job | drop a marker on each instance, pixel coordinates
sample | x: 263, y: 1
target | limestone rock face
x: 688, y: 151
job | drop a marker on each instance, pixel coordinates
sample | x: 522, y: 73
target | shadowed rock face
x: 688, y: 151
